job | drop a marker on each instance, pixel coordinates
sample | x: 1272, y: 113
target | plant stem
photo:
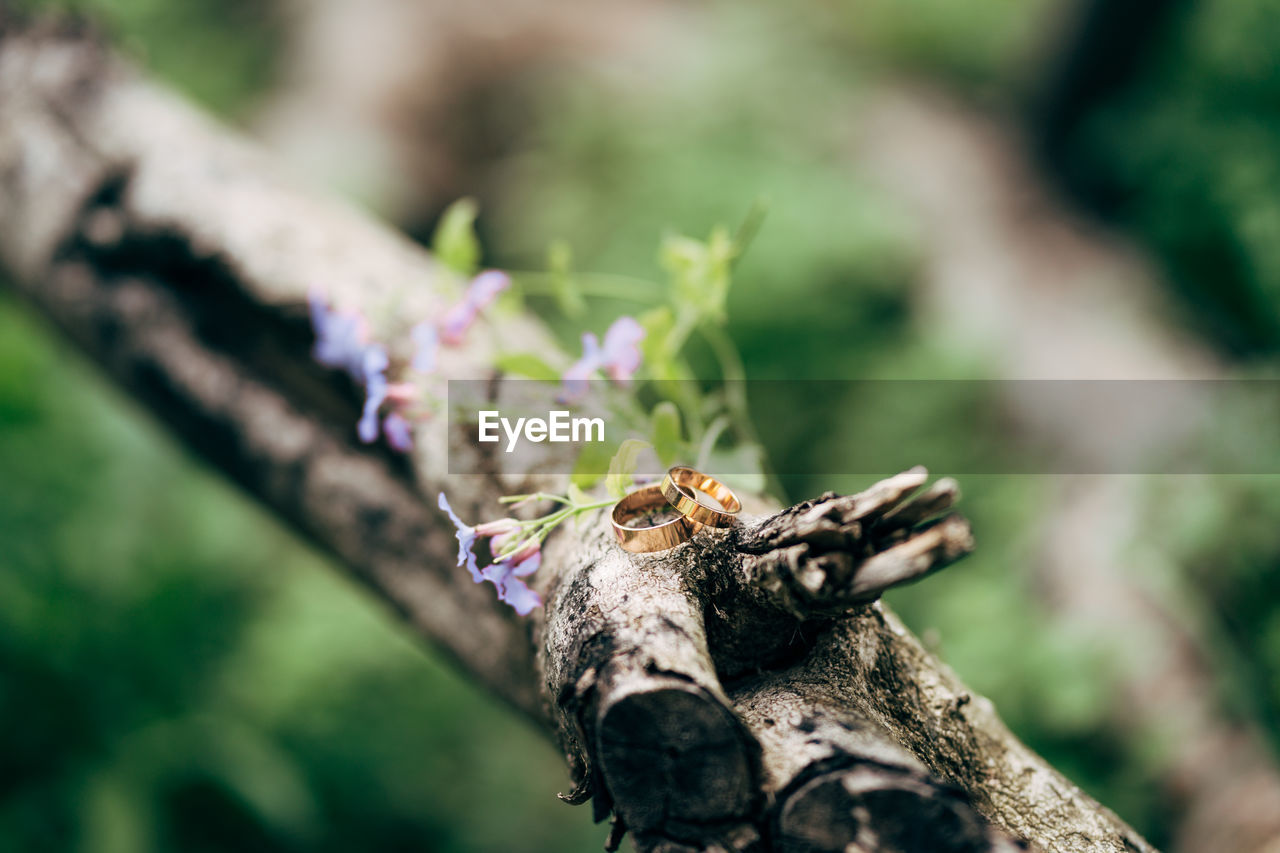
x: 735, y: 379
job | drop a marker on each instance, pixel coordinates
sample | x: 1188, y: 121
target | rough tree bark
x: 745, y: 691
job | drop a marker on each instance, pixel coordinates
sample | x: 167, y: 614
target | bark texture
x: 744, y: 691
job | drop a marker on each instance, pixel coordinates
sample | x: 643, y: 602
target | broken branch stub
x: 819, y: 560
x: 636, y: 696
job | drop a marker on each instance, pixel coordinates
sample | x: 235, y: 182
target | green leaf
x: 700, y: 272
x: 563, y: 285
x: 658, y: 323
x: 455, y: 243
x: 577, y: 495
x: 667, y: 442
x: 623, y: 466
x: 669, y: 373
x: 527, y: 365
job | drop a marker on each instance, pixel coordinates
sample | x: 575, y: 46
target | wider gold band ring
x: 680, y: 488
x: 657, y: 537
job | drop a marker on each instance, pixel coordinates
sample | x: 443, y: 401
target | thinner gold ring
x: 655, y: 537
x: 681, y: 487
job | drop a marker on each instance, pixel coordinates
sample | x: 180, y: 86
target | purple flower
x: 528, y: 551
x: 506, y: 573
x: 340, y: 337
x: 482, y: 290
x: 517, y: 593
x: 427, y: 342
x: 574, y: 380
x: 342, y: 342
x: 500, y: 530
x: 373, y: 369
x: 397, y: 396
x: 619, y: 358
x: 466, y: 538
x: 367, y: 426
x: 373, y: 364
x: 398, y: 432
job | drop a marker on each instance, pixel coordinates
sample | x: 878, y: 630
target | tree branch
x: 740, y: 692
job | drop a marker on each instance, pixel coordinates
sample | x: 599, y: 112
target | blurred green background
x: 177, y: 672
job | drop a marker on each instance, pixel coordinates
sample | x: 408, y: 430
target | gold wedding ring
x: 681, y: 486
x: 657, y: 537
